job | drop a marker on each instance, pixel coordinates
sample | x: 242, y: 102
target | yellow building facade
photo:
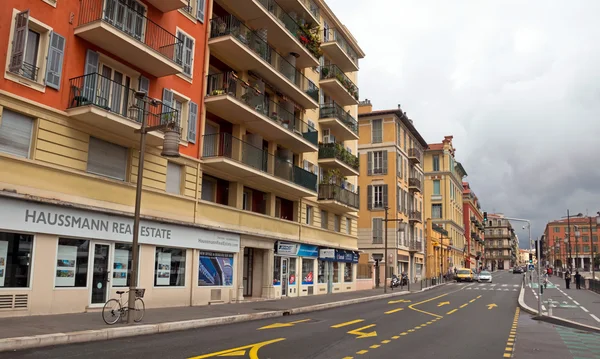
x: 391, y: 176
x: 443, y: 197
x: 438, y: 250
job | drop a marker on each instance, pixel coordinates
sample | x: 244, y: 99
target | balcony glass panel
x: 336, y: 193
x: 337, y: 151
x: 330, y: 35
x: 333, y: 110
x: 334, y: 72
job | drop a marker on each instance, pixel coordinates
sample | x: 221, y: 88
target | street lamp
x: 577, y: 236
x: 170, y: 149
x: 400, y: 229
x: 557, y: 255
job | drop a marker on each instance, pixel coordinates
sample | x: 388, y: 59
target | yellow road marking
x: 452, y: 311
x: 490, y: 306
x: 374, y: 346
x: 412, y: 306
x: 394, y: 310
x: 361, y: 335
x: 410, y: 330
x: 362, y: 351
x: 385, y: 341
x: 283, y: 325
x: 253, y: 354
x: 464, y: 305
x: 472, y: 300
x: 403, y: 333
x: 507, y: 355
x: 347, y: 323
x: 348, y: 358
x: 478, y: 296
x: 430, y: 322
x: 510, y: 340
x: 395, y: 337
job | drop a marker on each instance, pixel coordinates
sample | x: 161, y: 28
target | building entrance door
x: 248, y: 267
x: 100, y: 273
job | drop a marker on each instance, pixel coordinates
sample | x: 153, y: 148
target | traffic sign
x: 531, y: 267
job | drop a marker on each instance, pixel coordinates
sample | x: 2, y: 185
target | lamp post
x: 577, y: 236
x: 170, y: 149
x: 401, y: 229
x: 557, y: 249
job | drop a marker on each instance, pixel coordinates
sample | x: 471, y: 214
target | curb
x: 37, y: 341
x: 552, y: 319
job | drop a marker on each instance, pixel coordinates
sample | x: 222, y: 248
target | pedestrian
x: 568, y: 279
x: 577, y: 280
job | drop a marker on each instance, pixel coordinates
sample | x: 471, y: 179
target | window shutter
x: 179, y: 48
x: 15, y: 133
x: 201, y: 9
x: 188, y: 58
x: 369, y: 197
x: 144, y: 85
x: 107, y: 159
x: 19, y: 41
x: 91, y: 69
x: 167, y: 99
x: 54, y: 64
x: 385, y: 195
x: 385, y: 162
x: 398, y: 203
x: 369, y: 164
x: 192, y: 120
x: 173, y: 178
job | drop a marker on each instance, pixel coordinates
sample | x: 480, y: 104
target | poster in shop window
x: 66, y: 263
x: 163, y: 271
x: 215, y: 269
x: 120, y: 267
x: 3, y: 252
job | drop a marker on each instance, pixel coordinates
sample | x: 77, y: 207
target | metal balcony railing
x: 337, y: 151
x: 414, y: 216
x: 229, y: 25
x: 339, y: 194
x: 132, y: 22
x: 415, y: 246
x: 333, y: 110
x: 415, y: 153
x: 229, y: 84
x: 334, y: 72
x: 414, y: 182
x: 225, y: 145
x: 330, y: 35
x: 97, y: 90
x: 29, y: 71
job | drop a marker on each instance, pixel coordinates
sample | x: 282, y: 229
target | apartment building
x: 279, y: 144
x: 438, y: 250
x: 391, y: 177
x: 501, y: 243
x: 474, y: 228
x: 575, y: 247
x: 443, y: 199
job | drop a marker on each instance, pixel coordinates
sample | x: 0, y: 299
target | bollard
x: 550, y: 309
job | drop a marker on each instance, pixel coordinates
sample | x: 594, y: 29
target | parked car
x: 484, y: 276
x: 464, y: 275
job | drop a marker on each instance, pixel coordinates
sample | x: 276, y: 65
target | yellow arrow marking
x: 360, y: 334
x: 398, y: 301
x: 412, y: 306
x: 490, y: 306
x: 253, y: 354
x: 443, y: 303
x: 239, y: 353
x: 283, y: 325
x: 394, y: 311
x: 347, y: 323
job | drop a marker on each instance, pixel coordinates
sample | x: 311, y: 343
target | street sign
x: 531, y: 267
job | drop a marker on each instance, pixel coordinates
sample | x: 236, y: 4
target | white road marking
x: 576, y: 303
x: 544, y: 307
x: 493, y: 285
x: 595, y: 317
x: 514, y: 290
x: 585, y: 310
x: 515, y: 285
x: 504, y: 285
x: 469, y: 288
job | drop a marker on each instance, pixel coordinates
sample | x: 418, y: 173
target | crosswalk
x: 489, y: 286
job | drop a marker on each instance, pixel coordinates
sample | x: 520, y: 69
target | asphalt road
x: 451, y: 321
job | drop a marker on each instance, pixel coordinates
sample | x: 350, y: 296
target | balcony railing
x: 97, y: 90
x: 303, y: 34
x: 415, y: 153
x: 312, y: 7
x: 231, y: 26
x: 337, y: 151
x: 225, y: 145
x: 334, y: 72
x: 333, y: 110
x: 414, y: 182
x: 497, y: 235
x: 29, y: 71
x: 339, y: 194
x: 132, y: 22
x: 415, y: 246
x: 333, y: 35
x: 229, y: 84
x: 414, y: 216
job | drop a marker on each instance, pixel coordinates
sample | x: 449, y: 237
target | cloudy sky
x: 517, y: 84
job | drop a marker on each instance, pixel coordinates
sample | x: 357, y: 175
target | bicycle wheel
x: 111, y: 313
x: 139, y: 310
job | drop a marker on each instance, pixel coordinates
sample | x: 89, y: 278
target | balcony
x: 123, y: 31
x: 415, y: 155
x: 338, y: 85
x: 306, y: 9
x: 497, y: 235
x: 102, y: 103
x: 283, y: 32
x: 415, y: 246
x: 234, y: 160
x: 337, y: 199
x: 339, y: 51
x: 415, y: 216
x: 335, y: 156
x: 414, y: 184
x: 339, y: 122
x: 244, y: 50
x: 168, y: 5
x: 239, y: 103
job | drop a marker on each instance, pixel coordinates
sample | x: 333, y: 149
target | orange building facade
x: 574, y: 250
x: 474, y: 228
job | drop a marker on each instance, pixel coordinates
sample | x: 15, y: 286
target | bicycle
x: 115, y: 309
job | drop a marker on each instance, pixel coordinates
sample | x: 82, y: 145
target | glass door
x: 100, y: 273
x: 247, y: 275
x: 284, y: 276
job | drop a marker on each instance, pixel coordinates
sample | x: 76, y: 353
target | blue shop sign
x: 340, y: 255
x: 297, y: 249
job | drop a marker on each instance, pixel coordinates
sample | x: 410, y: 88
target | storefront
x: 56, y: 259
x: 403, y: 262
x: 337, y: 270
x: 293, y: 260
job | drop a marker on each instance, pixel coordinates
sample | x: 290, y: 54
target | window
x: 377, y: 230
x: 169, y: 267
x: 107, y: 159
x: 246, y: 200
x: 321, y: 271
x: 308, y: 267
x: 15, y: 133
x: 309, y: 214
x: 277, y: 271
x: 348, y: 272
x: 185, y: 54
x: 586, y: 249
x: 377, y: 196
x: 15, y: 260
x: 215, y: 269
x: 377, y: 162
x: 436, y: 163
x: 348, y: 226
x: 336, y: 223
x: 436, y: 211
x: 399, y: 165
x: 200, y: 11
x: 72, y: 263
x: 585, y: 238
x: 209, y: 190
x: 377, y: 131
x: 436, y: 187
x: 595, y: 238
x: 324, y: 223
x: 187, y: 113
x: 122, y: 265
x: 336, y: 272
x: 174, y: 171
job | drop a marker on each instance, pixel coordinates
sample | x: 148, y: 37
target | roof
x: 435, y: 146
x: 461, y: 168
x: 405, y: 120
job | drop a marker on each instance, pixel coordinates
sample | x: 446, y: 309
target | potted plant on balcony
x: 324, y: 72
x: 217, y: 92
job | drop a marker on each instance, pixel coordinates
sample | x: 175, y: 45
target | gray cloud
x: 517, y: 84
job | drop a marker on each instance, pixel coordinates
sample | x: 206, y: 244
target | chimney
x: 365, y: 107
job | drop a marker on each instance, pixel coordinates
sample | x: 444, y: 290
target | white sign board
x: 163, y: 272
x: 66, y: 261
x: 28, y: 216
x: 120, y: 267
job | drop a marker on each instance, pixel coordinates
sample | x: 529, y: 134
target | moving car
x: 475, y: 276
x: 517, y: 270
x: 464, y: 275
x: 485, y: 276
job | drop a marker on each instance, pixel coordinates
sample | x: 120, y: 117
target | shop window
x: 215, y: 269
x: 336, y: 272
x: 347, y: 272
x: 72, y: 263
x: 122, y: 265
x: 169, y: 267
x: 15, y: 260
x: 292, y: 272
x: 107, y: 159
x: 15, y: 133
x: 307, y: 271
x: 321, y: 271
x: 277, y: 271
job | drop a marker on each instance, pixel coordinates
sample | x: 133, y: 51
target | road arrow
x: 443, y: 303
x: 283, y: 325
x: 490, y: 306
x: 398, y: 301
x: 360, y: 334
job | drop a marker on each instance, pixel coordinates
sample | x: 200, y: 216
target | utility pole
x: 539, y: 284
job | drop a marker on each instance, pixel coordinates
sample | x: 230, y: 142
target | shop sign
x: 296, y: 249
x: 346, y: 256
x: 327, y: 253
x: 18, y: 215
